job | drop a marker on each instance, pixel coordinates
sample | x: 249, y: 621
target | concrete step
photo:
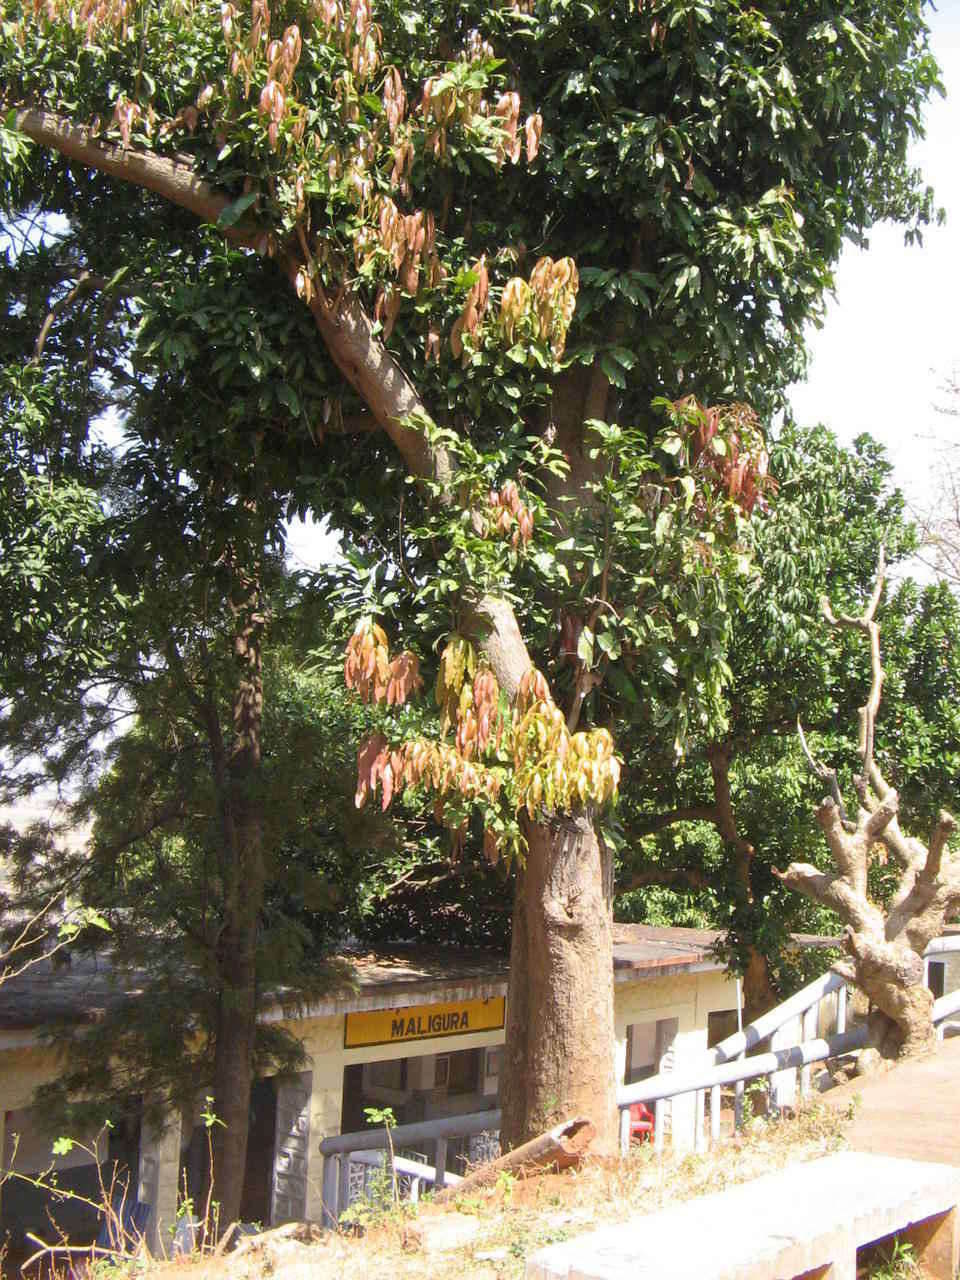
x: 807, y: 1220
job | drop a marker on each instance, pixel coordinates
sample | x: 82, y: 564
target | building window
x: 464, y: 1073
x: 721, y: 1024
x: 391, y: 1074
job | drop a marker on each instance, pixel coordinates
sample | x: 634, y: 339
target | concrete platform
x: 805, y: 1221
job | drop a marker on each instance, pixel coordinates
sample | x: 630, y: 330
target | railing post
x: 624, y: 1131
x: 343, y: 1184
x: 699, y: 1132
x: 414, y: 1190
x: 783, y: 1084
x: 659, y: 1120
x: 842, y: 1010
x: 440, y: 1162
x: 715, y: 1113
x: 331, y: 1169
x: 810, y: 1029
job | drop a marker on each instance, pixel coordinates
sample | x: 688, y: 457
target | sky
x: 891, y: 336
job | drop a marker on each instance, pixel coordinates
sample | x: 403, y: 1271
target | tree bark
x: 244, y: 877
x: 901, y: 1025
x: 559, y: 1052
x: 233, y: 1072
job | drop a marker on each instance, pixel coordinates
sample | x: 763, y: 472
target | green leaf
x: 613, y: 370
x: 236, y: 209
x: 585, y: 647
x: 609, y: 643
x: 286, y: 395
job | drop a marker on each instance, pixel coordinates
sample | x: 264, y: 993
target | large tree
x: 715, y: 827
x: 155, y: 611
x: 434, y: 183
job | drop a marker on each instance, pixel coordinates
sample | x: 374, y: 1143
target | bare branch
x: 86, y: 283
x: 881, y: 817
x: 909, y: 852
x: 849, y: 850
x: 827, y: 776
x: 833, y: 891
x: 866, y: 623
x: 864, y: 619
x: 871, y: 609
x: 942, y: 831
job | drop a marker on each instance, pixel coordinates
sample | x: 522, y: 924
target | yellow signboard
x: 423, y: 1022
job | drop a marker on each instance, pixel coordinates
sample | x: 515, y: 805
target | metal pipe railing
x: 764, y: 1026
x: 410, y: 1135
x: 402, y: 1165
x: 673, y: 1083
x: 726, y: 1062
x: 368, y: 1147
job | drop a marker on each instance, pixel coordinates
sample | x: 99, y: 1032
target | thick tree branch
x: 171, y: 177
x: 881, y: 817
x: 374, y: 374
x: 726, y: 822
x: 849, y: 851
x: 344, y: 326
x: 493, y: 624
x: 835, y: 892
x: 648, y: 826
x: 942, y: 831
x: 668, y: 877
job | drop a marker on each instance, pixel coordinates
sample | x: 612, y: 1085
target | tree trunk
x: 559, y: 1057
x: 901, y: 1025
x: 244, y: 877
x: 758, y: 992
x: 233, y: 1074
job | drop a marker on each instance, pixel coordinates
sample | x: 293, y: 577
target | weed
x: 120, y: 1246
x: 754, y: 1094
x: 893, y: 1261
x: 380, y: 1202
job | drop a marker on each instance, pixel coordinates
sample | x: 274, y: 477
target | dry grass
x: 490, y: 1234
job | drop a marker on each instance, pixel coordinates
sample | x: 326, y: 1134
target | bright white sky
x: 891, y: 335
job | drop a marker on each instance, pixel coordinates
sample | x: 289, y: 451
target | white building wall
x: 687, y: 997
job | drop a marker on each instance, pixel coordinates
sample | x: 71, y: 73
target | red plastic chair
x: 641, y: 1122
